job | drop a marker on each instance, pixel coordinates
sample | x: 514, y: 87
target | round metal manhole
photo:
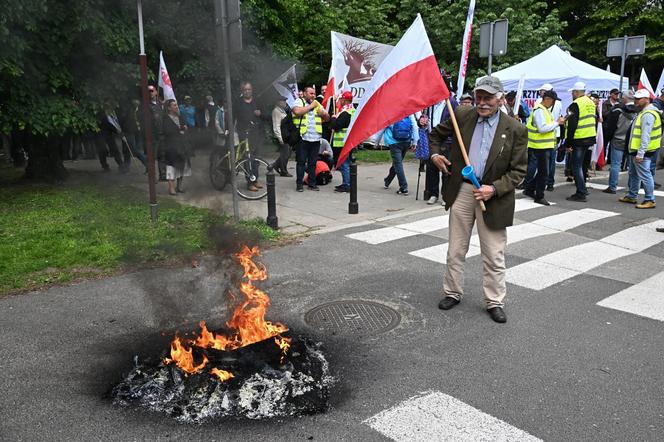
x: 353, y: 318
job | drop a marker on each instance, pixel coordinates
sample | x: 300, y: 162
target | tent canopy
x: 559, y: 68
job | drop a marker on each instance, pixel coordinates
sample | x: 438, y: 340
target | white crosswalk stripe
x: 604, y: 186
x: 435, y: 416
x: 521, y: 232
x: 644, y: 299
x: 428, y: 225
x: 567, y: 263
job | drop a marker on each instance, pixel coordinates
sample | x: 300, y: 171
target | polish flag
x: 407, y: 81
x: 465, y: 48
x: 598, y: 149
x: 329, y: 90
x: 644, y: 83
x: 660, y: 84
x: 164, y: 79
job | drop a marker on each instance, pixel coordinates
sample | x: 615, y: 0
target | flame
x: 247, y: 324
x: 284, y: 344
x: 223, y: 375
x: 183, y: 357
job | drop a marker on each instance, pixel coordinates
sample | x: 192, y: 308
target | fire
x: 284, y: 345
x: 184, y: 358
x: 223, y: 375
x: 246, y: 326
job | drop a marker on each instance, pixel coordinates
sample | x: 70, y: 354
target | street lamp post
x: 147, y: 117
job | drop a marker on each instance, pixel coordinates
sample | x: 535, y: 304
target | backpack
x: 402, y: 129
x: 623, y: 126
x: 290, y: 133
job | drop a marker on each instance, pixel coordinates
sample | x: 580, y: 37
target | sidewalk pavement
x: 305, y: 212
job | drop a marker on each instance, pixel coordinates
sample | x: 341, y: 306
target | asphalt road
x: 563, y: 368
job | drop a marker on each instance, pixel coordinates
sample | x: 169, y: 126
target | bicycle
x: 220, y: 167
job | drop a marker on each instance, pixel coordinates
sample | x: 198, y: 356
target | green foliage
x: 591, y: 24
x: 55, y: 235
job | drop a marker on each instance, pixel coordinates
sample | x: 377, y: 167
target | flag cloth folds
x: 465, y: 48
x: 598, y: 154
x: 165, y: 80
x: 644, y: 83
x: 660, y: 84
x: 286, y: 86
x: 407, y: 81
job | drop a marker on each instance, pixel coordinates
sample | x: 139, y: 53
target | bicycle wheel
x: 219, y: 175
x: 241, y: 171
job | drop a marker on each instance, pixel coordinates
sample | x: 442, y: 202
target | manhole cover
x: 353, y: 317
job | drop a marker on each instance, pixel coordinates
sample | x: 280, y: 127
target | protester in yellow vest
x: 339, y: 125
x: 541, y: 141
x: 581, y: 128
x: 309, y: 115
x: 645, y: 141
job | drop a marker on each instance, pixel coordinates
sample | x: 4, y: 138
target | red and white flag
x: 660, y: 84
x: 465, y: 49
x: 407, y: 81
x: 644, y: 83
x: 164, y: 79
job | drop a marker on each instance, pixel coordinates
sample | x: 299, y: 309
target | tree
x: 591, y: 24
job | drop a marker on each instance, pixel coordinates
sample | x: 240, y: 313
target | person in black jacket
x: 111, y: 133
x: 339, y: 124
x: 175, y: 148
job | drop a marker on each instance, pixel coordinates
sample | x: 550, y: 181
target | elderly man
x: 644, y: 143
x: 497, y: 151
x: 581, y: 135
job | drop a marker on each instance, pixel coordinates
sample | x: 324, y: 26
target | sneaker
x: 542, y: 201
x: 577, y: 197
x: 570, y: 179
x: 402, y: 192
x: 342, y: 188
x: 549, y: 188
x: 609, y: 190
x: 628, y: 200
x: 432, y: 200
x: 386, y: 185
x: 314, y: 188
x: 299, y: 188
x: 646, y: 205
x: 529, y: 193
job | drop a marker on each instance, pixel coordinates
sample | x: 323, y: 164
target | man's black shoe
x: 569, y: 179
x: 299, y: 188
x: 447, y: 303
x: 542, y: 201
x: 577, y: 197
x: 609, y: 190
x: 660, y: 229
x: 497, y: 314
x: 549, y: 188
x: 315, y: 188
x: 285, y: 174
x: 530, y: 193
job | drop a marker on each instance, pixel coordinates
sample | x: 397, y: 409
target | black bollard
x: 272, y: 219
x: 353, y: 207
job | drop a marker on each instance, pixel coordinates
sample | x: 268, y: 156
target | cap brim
x: 489, y: 89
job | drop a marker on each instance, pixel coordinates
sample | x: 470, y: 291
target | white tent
x: 559, y: 68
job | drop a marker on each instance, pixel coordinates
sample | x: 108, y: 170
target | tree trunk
x: 44, y: 159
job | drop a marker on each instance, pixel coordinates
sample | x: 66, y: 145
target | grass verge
x: 53, y: 235
x: 378, y: 156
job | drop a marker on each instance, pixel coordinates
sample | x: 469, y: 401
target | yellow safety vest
x: 655, y: 133
x: 338, y: 138
x: 303, y: 121
x: 587, y: 125
x: 536, y: 139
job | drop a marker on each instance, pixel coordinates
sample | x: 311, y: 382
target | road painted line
x: 435, y: 416
x: 427, y: 225
x: 655, y: 192
x: 556, y: 267
x: 599, y: 186
x: 521, y: 232
x: 643, y: 299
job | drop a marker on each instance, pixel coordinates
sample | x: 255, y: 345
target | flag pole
x: 466, y: 160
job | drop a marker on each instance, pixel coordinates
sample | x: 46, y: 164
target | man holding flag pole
x: 497, y: 152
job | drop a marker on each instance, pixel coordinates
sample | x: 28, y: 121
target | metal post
x: 491, y: 45
x: 622, y: 63
x: 353, y: 207
x: 221, y: 28
x: 272, y: 219
x: 147, y: 117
